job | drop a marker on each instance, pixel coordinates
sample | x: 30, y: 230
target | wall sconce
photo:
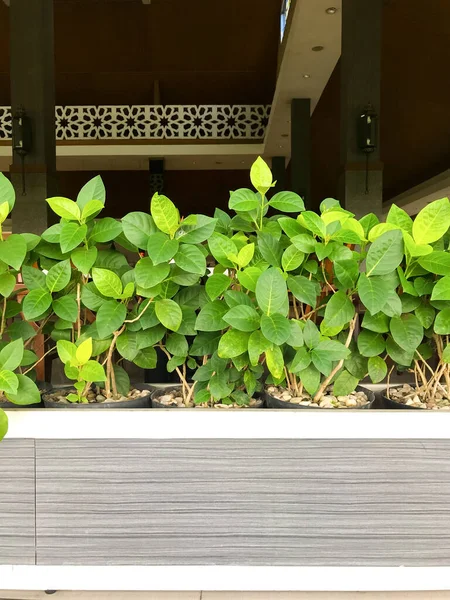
x: 368, y: 135
x: 21, y: 138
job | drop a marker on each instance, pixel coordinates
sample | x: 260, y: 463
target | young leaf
x: 261, y: 176
x: 92, y: 208
x: 169, y: 314
x: 287, y: 202
x: 397, y: 216
x: 65, y: 208
x: 7, y: 284
x: 35, y: 303
x: 94, y: 189
x: 275, y: 362
x: 243, y: 200
x: 437, y: 262
x: 84, y: 352
x: 313, y: 223
x: 4, y: 211
x: 245, y: 255
x: 432, y: 222
x: 59, y: 276
x: 165, y: 214
x: 221, y: 247
x: 11, y: 355
x: 249, y: 277
x: 8, y: 382
x: 7, y: 192
x: 3, y: 421
x: 107, y: 282
x: 93, y: 371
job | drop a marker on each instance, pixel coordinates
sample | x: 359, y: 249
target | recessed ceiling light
x: 280, y: 146
x: 306, y: 76
x: 331, y: 11
x: 317, y: 48
x: 194, y: 163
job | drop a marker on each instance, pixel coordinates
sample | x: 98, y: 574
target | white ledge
x: 227, y: 424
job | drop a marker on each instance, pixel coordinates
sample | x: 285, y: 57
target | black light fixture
x: 21, y: 138
x: 368, y: 135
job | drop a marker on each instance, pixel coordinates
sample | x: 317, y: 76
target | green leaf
x: 432, y: 222
x: 243, y: 200
x: 257, y: 344
x: 20, y: 329
x: 331, y: 350
x: 339, y: 310
x: 84, y: 259
x: 149, y: 275
x: 127, y: 345
x: 347, y: 272
x: 425, y: 313
x: 261, y: 176
x: 368, y: 222
x: 52, y: 233
x: 377, y: 369
x: 270, y: 249
x: 3, y: 419
x: 161, y: 248
x: 311, y: 334
x: 370, y: 343
x: 243, y: 318
x: 210, y: 318
x: 7, y: 284
x: 91, y: 209
x: 441, y: 290
x: 378, y: 323
x: 146, y: 358
x: 271, y: 292
x: 436, y: 262
x: 372, y: 292
x: 442, y: 322
x: 93, y: 371
x: 107, y: 229
x: 35, y: 303
x: 301, y: 360
x: 219, y: 387
x: 169, y: 314
x: 31, y: 240
x: 196, y: 229
x: 8, y: 382
x: 407, y: 331
x: 216, y: 285
x: 409, y: 303
x: 72, y: 234
x: 177, y: 345
x: 287, y: 202
x: 11, y: 355
x: 385, y: 254
x: 83, y: 352
x: 165, y: 214
x: 13, y: 250
x: 27, y: 392
x: 399, y: 355
x: 275, y: 328
x: 304, y: 242
x: 107, y: 282
x: 122, y: 380
x: 110, y: 318
x: 414, y: 249
x: 233, y: 343
x: 222, y: 248
x: 292, y: 258
x: 275, y: 362
x: 393, y: 306
x: 137, y: 227
x: 290, y: 226
x: 397, y: 216
x: 304, y: 290
x: 313, y: 223
x: 7, y: 192
x: 191, y: 259
x: 245, y: 255
x: 65, y: 208
x: 249, y: 277
x: 94, y: 189
x: 310, y: 377
x: 345, y: 384
x: 59, y: 276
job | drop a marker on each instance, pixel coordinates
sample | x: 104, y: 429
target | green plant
x: 79, y: 367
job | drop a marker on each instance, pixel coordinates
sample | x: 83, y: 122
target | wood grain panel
x: 243, y: 502
x: 17, y: 502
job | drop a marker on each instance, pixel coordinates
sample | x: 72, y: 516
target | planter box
x: 191, y: 499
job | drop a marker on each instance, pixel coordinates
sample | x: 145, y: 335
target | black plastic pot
x: 141, y: 402
x: 162, y: 391
x: 393, y: 405
x: 273, y: 402
x: 6, y: 405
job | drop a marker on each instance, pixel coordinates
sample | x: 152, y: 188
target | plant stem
x: 184, y: 383
x: 38, y: 361
x: 140, y: 314
x: 2, y: 329
x: 109, y: 361
x: 388, y: 381
x: 79, y: 311
x: 325, y: 384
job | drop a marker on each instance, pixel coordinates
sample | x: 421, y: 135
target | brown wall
x: 191, y: 191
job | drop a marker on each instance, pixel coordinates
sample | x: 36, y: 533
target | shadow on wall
x: 192, y: 191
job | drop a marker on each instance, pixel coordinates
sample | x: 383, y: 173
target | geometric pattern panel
x: 248, y: 502
x: 171, y: 122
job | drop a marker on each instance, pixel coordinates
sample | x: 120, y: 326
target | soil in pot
x: 279, y: 397
x: 172, y: 398
x: 137, y: 397
x: 407, y: 397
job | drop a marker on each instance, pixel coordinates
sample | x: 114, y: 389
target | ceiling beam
x: 414, y: 199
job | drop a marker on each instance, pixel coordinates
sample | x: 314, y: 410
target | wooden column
x: 156, y: 169
x: 32, y: 86
x: 279, y: 174
x: 301, y: 148
x: 360, y: 85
